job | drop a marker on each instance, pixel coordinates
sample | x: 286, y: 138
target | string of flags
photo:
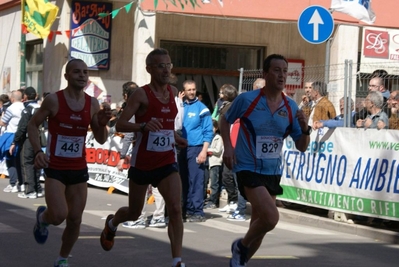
x: 70, y: 33
x: 38, y: 15
x: 38, y: 7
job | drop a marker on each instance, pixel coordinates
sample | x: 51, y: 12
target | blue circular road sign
x: 316, y: 24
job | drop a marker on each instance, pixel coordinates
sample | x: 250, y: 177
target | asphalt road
x: 294, y: 242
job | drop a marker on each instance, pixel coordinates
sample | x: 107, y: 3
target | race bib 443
x: 69, y: 146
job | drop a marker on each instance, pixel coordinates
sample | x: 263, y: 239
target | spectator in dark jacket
x: 30, y: 175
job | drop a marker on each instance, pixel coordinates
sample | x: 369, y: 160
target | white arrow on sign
x: 316, y: 20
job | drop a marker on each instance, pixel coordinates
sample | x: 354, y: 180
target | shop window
x: 214, y: 56
x: 34, y: 65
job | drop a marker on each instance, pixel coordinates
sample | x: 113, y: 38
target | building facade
x: 208, y: 43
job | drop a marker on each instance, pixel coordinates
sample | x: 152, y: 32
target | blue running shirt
x: 261, y: 134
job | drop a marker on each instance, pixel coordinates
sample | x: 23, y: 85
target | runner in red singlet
x: 153, y: 159
x: 69, y: 112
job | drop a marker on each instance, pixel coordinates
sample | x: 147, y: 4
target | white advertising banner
x: 102, y: 161
x: 344, y: 169
x: 380, y: 50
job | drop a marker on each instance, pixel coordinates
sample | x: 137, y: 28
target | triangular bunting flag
x: 50, y: 36
x: 24, y: 29
x: 102, y: 15
x: 128, y: 7
x: 114, y: 13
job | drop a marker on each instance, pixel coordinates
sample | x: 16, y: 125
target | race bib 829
x: 268, y: 147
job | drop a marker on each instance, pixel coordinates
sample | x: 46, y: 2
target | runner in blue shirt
x: 266, y: 118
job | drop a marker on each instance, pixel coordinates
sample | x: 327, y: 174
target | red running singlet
x: 156, y: 149
x: 67, y: 132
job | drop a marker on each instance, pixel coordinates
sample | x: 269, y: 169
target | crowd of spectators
x: 17, y: 108
x: 201, y: 167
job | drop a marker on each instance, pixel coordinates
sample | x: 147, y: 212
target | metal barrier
x: 354, y: 76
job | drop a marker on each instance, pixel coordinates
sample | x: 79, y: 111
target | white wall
x: 10, y: 28
x: 344, y: 46
x: 144, y: 41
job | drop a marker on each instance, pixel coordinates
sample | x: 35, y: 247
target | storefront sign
x: 295, y: 75
x: 380, y: 50
x: 91, y: 34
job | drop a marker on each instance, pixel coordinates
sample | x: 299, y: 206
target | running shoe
x: 16, y: 189
x: 9, y: 188
x: 40, y: 193
x: 210, y: 206
x: 236, y: 216
x: 186, y: 217
x: 107, y: 235
x: 196, y: 218
x: 40, y: 231
x: 239, y: 255
x: 157, y: 223
x: 29, y: 195
x: 61, y: 263
x: 180, y: 264
x: 229, y: 208
x: 139, y: 224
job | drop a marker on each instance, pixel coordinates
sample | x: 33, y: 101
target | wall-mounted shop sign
x: 90, y: 35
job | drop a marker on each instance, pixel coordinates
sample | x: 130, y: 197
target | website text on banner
x: 344, y: 169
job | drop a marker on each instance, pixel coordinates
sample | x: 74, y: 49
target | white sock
x: 175, y: 261
x: 113, y: 228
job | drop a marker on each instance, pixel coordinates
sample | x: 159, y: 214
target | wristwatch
x: 308, y: 131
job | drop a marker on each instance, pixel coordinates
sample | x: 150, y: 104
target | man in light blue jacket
x: 198, y: 130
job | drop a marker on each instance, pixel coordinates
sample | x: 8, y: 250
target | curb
x: 303, y: 218
x: 382, y: 235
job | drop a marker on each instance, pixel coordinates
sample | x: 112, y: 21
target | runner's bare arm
x: 99, y: 120
x: 228, y: 154
x: 136, y: 105
x: 48, y: 108
x: 180, y: 141
x: 302, y: 143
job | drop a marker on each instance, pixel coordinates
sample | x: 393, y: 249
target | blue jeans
x: 215, y: 174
